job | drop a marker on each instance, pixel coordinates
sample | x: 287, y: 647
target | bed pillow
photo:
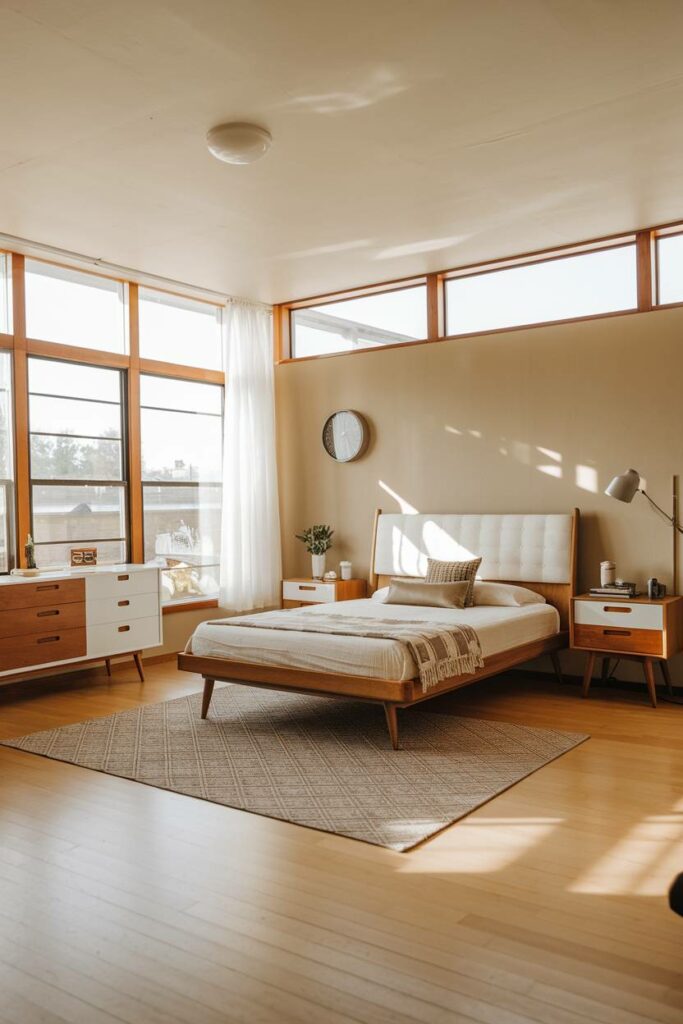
x: 505, y: 595
x: 428, y: 595
x: 454, y: 572
x: 381, y: 594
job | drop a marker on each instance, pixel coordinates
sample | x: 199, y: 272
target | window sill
x: 189, y: 606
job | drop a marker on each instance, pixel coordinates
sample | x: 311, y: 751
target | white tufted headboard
x: 536, y: 550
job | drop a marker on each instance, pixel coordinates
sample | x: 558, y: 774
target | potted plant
x: 317, y: 540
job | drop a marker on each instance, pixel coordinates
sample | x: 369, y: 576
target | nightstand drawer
x: 620, y: 614
x: 649, y: 642
x: 316, y: 593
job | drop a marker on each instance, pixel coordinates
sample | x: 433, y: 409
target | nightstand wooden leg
x: 664, y: 665
x: 588, y: 674
x: 137, y: 658
x: 107, y: 662
x: 604, y: 671
x: 649, y: 670
x: 555, y: 658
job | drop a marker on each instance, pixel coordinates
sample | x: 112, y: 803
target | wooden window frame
x: 645, y: 240
x: 22, y: 347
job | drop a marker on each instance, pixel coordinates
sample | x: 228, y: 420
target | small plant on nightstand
x: 318, y: 540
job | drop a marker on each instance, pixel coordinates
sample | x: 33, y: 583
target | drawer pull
x: 123, y: 604
x: 304, y: 587
x: 48, y: 639
x: 123, y: 629
x: 48, y: 586
x: 122, y: 579
x: 616, y: 632
x: 50, y: 611
x: 612, y: 608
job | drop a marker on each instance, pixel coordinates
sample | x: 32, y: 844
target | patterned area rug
x: 319, y: 762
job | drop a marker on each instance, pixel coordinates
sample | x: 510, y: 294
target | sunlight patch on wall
x: 404, y: 506
x: 587, y: 478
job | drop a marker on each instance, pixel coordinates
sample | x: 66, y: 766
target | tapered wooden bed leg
x: 206, y: 699
x: 555, y: 658
x: 392, y: 723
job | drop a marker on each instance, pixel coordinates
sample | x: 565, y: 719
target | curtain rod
x: 29, y: 248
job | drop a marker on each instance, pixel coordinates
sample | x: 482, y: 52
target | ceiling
x: 408, y: 136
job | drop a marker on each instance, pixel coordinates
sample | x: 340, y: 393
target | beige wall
x: 535, y: 420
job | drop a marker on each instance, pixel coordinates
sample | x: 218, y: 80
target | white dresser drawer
x: 122, y: 609
x: 115, y: 638
x: 620, y: 614
x: 122, y: 584
x: 293, y: 590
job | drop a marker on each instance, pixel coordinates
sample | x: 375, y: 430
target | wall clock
x: 346, y: 435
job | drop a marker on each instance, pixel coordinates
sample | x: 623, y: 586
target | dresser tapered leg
x: 392, y: 723
x: 138, y: 664
x: 649, y: 670
x: 107, y: 662
x: 664, y: 665
x: 588, y: 674
x: 208, y: 693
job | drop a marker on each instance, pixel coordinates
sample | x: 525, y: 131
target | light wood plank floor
x: 119, y: 902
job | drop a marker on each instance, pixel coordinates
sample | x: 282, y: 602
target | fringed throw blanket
x: 440, y: 649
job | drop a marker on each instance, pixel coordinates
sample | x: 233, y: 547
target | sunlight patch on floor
x: 479, y: 845
x: 643, y: 863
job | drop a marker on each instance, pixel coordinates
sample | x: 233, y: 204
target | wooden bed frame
x: 392, y: 693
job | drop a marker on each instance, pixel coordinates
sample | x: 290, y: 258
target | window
x: 7, y: 552
x: 5, y: 302
x: 670, y: 269
x: 75, y: 308
x: 555, y: 289
x: 181, y: 426
x: 385, y: 318
x: 78, y: 485
x: 178, y: 330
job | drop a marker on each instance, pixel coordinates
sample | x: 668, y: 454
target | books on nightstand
x: 616, y: 590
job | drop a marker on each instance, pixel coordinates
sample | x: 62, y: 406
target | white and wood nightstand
x: 640, y: 629
x: 298, y: 592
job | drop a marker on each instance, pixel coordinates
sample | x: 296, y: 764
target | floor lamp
x: 627, y: 485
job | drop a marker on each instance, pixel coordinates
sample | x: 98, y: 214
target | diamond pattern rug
x: 320, y: 762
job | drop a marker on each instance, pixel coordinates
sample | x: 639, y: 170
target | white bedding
x: 498, y: 629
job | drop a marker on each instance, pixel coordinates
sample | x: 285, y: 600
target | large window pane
x: 179, y: 330
x: 558, y: 289
x: 387, y: 318
x: 181, y: 424
x: 670, y: 269
x: 7, y: 553
x: 74, y: 441
x: 75, y: 308
x: 5, y: 302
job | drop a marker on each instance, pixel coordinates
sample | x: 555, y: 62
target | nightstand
x: 639, y: 629
x: 298, y: 592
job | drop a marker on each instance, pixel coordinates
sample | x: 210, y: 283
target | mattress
x: 498, y: 629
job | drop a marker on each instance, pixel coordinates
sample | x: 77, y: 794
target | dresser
x: 89, y: 614
x: 298, y: 592
x: 642, y: 629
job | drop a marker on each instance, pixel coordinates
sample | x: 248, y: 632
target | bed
x: 535, y: 551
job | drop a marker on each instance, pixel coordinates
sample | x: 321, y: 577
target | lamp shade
x: 625, y: 486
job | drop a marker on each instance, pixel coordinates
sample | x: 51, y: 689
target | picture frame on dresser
x: 76, y: 617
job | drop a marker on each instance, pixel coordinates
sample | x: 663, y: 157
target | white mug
x: 345, y: 570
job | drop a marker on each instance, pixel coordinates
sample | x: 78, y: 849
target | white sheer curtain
x: 250, y: 553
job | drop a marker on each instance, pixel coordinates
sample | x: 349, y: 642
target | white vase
x: 318, y: 563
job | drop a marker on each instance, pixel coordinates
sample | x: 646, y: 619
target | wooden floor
x: 119, y: 902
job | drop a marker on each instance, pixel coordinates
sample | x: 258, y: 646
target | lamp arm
x: 666, y: 515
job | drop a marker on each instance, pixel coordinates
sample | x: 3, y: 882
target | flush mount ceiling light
x: 238, y: 142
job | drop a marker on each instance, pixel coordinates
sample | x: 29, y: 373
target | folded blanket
x: 440, y: 649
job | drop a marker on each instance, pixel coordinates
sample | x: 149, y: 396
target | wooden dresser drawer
x: 41, y: 649
x: 123, y: 584
x: 116, y: 638
x: 46, y: 592
x: 622, y: 614
x: 122, y: 609
x: 619, y: 638
x: 21, y: 622
x: 313, y: 592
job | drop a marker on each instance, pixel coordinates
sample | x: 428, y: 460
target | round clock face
x: 345, y: 435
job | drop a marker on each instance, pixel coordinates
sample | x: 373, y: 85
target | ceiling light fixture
x: 238, y: 142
